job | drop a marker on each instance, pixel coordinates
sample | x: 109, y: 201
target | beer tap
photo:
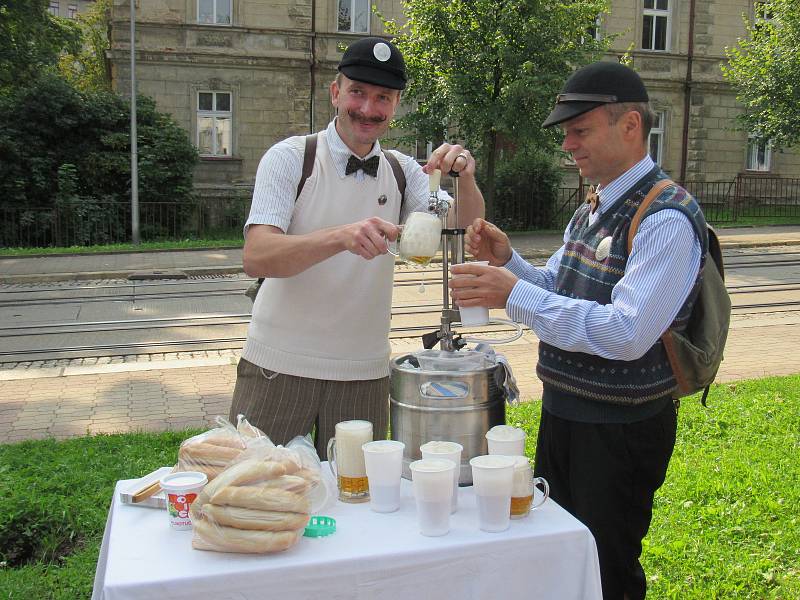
x: 450, y: 314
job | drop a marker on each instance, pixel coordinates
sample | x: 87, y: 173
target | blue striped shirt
x: 659, y: 275
x: 281, y: 167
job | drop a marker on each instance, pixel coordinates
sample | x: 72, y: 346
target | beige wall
x: 264, y: 59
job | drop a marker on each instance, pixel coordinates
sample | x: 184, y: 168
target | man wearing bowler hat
x: 608, y: 420
x: 317, y: 348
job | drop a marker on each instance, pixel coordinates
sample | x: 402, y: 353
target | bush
x: 526, y: 187
x: 48, y: 125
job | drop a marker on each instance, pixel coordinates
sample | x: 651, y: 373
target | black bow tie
x: 369, y: 166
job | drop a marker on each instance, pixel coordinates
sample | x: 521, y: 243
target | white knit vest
x: 332, y: 320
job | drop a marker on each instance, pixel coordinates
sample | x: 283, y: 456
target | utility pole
x: 134, y: 145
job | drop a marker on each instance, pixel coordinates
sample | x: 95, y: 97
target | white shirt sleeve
x: 275, y: 189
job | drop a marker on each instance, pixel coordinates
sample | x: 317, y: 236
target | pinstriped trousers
x: 285, y: 406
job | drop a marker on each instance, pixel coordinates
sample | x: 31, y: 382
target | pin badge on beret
x: 603, y: 249
x: 382, y: 51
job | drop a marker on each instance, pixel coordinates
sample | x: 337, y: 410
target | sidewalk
x: 189, y: 389
x: 37, y: 269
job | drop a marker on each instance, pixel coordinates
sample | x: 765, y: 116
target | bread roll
x: 261, y: 498
x: 291, y: 483
x: 211, y: 471
x: 244, y: 473
x: 262, y: 520
x: 209, y: 454
x: 223, y: 437
x: 210, y: 536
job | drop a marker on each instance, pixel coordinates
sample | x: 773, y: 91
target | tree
x: 88, y: 69
x: 31, y: 40
x: 765, y: 72
x: 487, y: 71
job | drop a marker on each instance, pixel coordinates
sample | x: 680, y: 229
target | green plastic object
x: 320, y: 526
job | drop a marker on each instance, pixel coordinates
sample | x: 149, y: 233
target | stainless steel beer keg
x: 453, y: 405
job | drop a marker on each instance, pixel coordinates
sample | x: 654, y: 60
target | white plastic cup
x: 447, y: 451
x: 384, y: 462
x: 522, y: 491
x: 181, y: 489
x: 492, y: 480
x: 506, y: 440
x: 346, y: 459
x: 432, y: 481
x: 473, y: 316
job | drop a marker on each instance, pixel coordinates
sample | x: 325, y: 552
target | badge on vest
x: 603, y: 249
x: 382, y: 199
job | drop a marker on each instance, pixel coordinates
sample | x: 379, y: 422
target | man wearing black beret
x: 324, y: 206
x: 608, y: 420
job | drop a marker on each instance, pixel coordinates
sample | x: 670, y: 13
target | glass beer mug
x: 346, y: 460
x: 523, y: 488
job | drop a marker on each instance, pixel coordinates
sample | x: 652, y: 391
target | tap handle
x: 434, y: 178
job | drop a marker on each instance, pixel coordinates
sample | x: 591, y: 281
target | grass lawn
x: 111, y: 248
x: 725, y: 523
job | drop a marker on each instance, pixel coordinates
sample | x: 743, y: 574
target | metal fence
x: 91, y: 223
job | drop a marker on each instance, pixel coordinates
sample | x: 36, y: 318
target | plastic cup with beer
x: 506, y: 440
x: 473, y: 316
x: 522, y: 490
x: 346, y: 459
x: 492, y: 480
x: 432, y: 481
x: 449, y: 451
x: 383, y: 460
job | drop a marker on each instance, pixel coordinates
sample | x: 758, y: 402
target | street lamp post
x: 134, y: 145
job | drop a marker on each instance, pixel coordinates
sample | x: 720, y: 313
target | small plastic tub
x: 181, y: 489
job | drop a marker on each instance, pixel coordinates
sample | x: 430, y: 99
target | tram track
x: 76, y: 334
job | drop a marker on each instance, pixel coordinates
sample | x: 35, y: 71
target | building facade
x: 240, y: 75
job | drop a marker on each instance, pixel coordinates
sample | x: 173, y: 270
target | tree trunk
x: 491, y: 165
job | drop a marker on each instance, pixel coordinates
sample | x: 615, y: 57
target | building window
x: 763, y: 11
x: 214, y: 12
x: 354, y: 16
x: 759, y: 153
x: 72, y: 10
x: 594, y: 32
x: 53, y: 8
x: 656, y: 142
x: 214, y: 123
x: 655, y: 25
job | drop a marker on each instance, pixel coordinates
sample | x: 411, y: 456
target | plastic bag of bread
x: 259, y: 504
x: 213, y: 450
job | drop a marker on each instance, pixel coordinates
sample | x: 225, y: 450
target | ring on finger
x: 464, y: 156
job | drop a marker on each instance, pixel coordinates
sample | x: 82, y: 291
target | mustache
x: 357, y: 116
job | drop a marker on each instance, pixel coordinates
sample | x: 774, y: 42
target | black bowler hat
x: 594, y: 85
x: 376, y: 61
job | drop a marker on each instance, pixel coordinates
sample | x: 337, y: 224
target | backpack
x: 696, y: 353
x: 309, y: 154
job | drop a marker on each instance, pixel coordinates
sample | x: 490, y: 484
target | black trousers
x: 606, y: 476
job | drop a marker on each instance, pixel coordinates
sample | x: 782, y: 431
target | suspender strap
x: 308, y: 161
x: 399, y: 176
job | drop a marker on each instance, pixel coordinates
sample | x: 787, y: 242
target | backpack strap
x: 309, y: 155
x: 645, y: 204
x: 399, y: 176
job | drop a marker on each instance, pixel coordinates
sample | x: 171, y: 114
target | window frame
x: 660, y: 131
x: 215, y: 23
x: 352, y: 29
x: 54, y: 8
x: 72, y: 11
x: 752, y: 165
x: 214, y: 114
x: 655, y: 13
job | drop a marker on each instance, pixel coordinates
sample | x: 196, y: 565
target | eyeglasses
x: 606, y: 98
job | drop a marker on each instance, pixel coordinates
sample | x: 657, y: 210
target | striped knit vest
x: 586, y: 276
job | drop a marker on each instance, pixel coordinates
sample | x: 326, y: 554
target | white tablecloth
x: 547, y: 555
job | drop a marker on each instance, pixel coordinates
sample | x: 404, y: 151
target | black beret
x: 376, y: 61
x: 594, y: 85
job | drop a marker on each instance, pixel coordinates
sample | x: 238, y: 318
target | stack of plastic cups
x: 492, y: 480
x: 383, y: 460
x: 448, y: 451
x: 432, y: 480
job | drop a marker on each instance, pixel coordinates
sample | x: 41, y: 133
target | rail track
x: 71, y: 337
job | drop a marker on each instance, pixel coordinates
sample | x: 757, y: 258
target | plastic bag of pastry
x: 260, y: 503
x: 248, y: 431
x: 211, y: 451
